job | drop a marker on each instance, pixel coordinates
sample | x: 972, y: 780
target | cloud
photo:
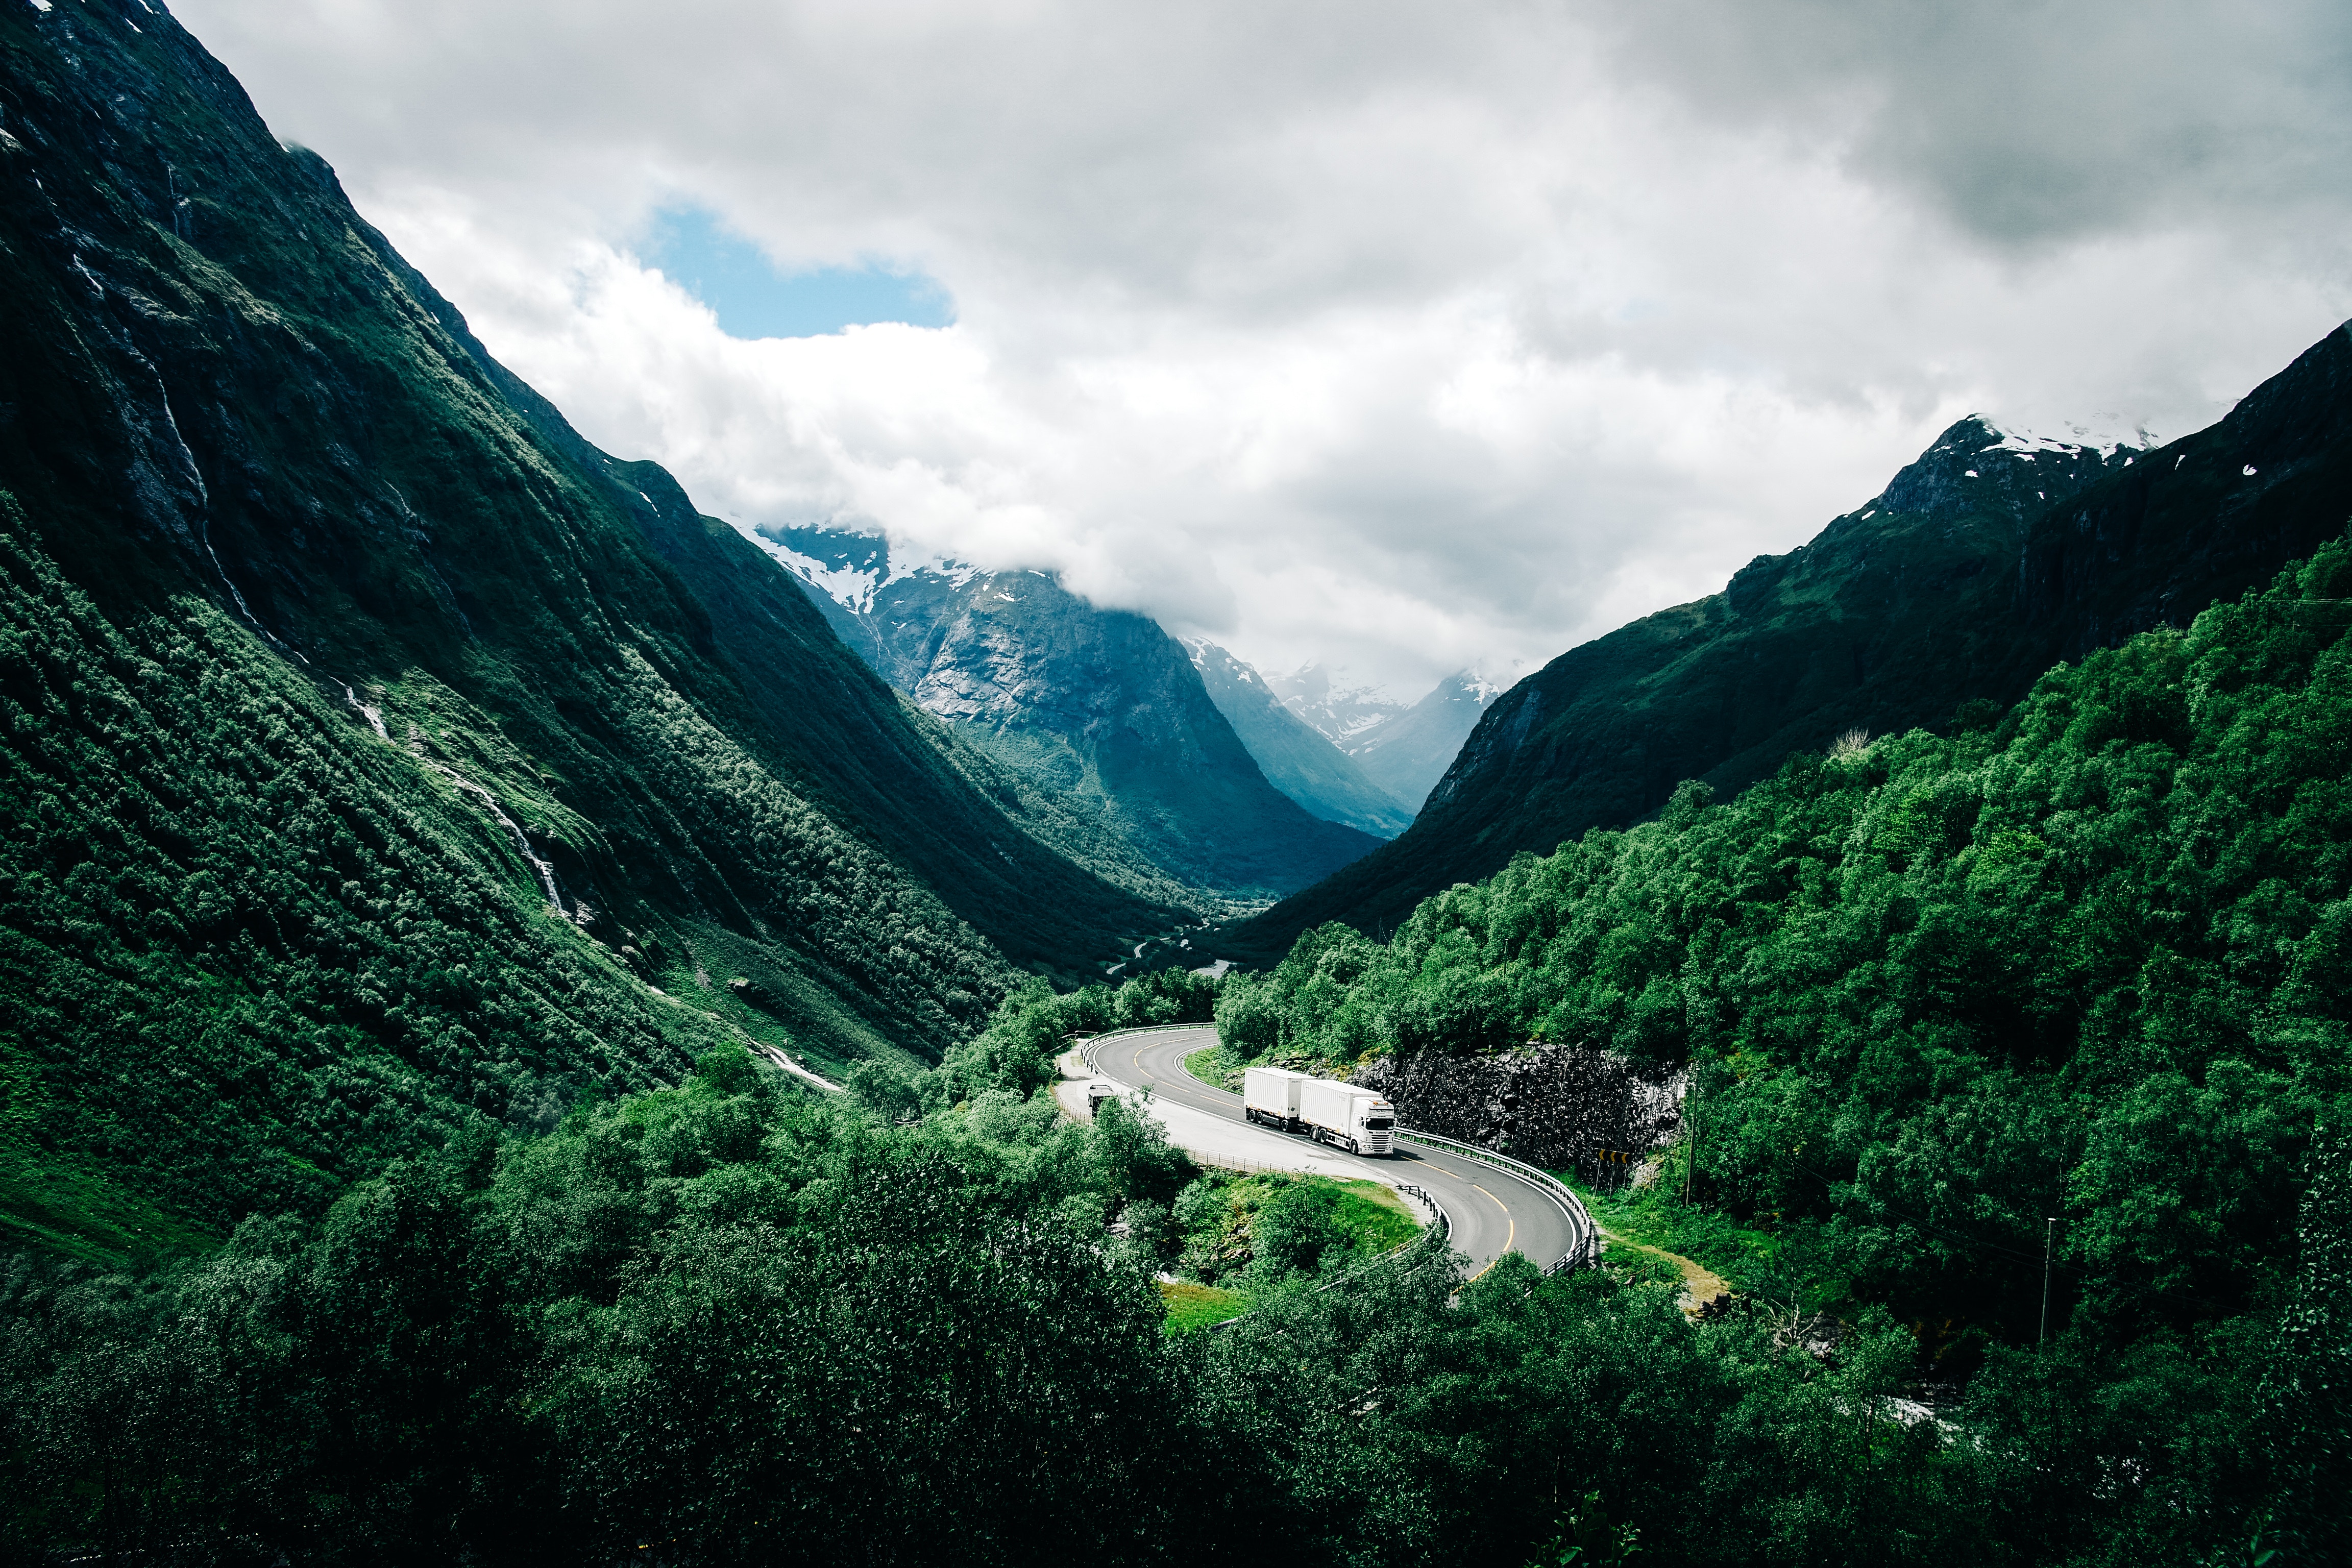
x: 2025, y: 122
x: 1403, y: 337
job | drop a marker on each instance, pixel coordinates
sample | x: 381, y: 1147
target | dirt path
x: 1699, y: 1283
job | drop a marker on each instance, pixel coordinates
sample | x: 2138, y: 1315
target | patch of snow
x: 1871, y: 513
x: 1007, y: 598
x: 2250, y: 469
x: 847, y: 586
x: 43, y: 6
x: 646, y: 499
x: 955, y: 573
x: 2105, y: 434
x: 1971, y: 474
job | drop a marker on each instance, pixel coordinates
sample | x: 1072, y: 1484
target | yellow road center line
x: 1513, y: 1237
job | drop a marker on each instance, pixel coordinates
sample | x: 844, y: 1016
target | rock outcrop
x: 1553, y: 1106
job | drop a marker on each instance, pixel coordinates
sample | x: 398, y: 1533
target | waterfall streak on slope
x: 544, y: 868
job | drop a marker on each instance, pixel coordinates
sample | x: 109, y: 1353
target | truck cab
x: 1352, y: 1116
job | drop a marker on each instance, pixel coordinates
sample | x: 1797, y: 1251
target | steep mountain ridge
x: 1101, y: 707
x: 1983, y: 563
x: 380, y: 756
x: 1298, y: 759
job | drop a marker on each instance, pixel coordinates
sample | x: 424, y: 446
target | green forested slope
x: 302, y: 596
x: 1980, y: 565
x: 2094, y: 962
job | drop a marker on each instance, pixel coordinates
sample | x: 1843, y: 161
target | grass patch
x: 1256, y: 1232
x: 1192, y: 1306
x: 50, y: 1205
x: 1374, y: 1213
x: 1217, y: 1066
x: 1658, y: 1218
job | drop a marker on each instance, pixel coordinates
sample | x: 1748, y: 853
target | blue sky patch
x: 754, y: 299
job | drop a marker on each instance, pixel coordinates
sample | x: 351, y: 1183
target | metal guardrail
x: 1584, y: 1249
x: 1442, y: 1226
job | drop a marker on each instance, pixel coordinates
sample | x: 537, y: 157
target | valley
x: 531, y: 1014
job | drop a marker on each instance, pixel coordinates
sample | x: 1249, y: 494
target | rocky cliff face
x: 1983, y: 563
x: 1101, y: 706
x: 1553, y: 1106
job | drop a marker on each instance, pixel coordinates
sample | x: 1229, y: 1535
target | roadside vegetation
x: 750, y: 1324
x: 1218, y: 1066
x: 1654, y: 1214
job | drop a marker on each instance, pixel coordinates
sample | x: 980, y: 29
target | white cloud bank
x: 1403, y: 336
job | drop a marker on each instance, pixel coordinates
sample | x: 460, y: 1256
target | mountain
x: 1407, y: 754
x: 380, y: 756
x: 1101, y: 708
x: 1296, y: 760
x: 1343, y: 717
x: 1989, y: 560
x: 1403, y: 750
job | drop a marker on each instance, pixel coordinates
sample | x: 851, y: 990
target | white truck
x: 1270, y: 1097
x: 1357, y: 1119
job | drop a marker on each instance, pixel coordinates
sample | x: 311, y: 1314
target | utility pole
x: 1690, y: 1160
x: 2049, y: 1235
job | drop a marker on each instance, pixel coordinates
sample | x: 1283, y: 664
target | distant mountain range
x: 1991, y: 557
x: 1301, y: 762
x: 1409, y: 754
x: 1102, y: 709
x: 1403, y: 750
x: 1344, y: 716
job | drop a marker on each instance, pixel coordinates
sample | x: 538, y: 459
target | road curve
x: 1492, y: 1211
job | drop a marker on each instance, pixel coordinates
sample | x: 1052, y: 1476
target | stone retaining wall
x: 1548, y: 1105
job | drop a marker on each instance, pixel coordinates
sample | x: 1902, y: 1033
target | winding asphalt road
x: 1492, y: 1211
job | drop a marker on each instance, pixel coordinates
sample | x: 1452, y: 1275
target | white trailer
x: 1357, y: 1119
x: 1270, y: 1097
